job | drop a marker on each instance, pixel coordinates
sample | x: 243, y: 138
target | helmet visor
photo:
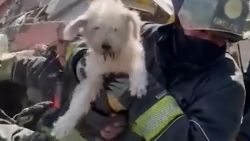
x: 246, y: 32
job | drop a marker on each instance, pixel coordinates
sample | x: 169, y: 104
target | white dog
x: 113, y: 35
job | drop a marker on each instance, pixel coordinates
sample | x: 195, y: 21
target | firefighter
x: 27, y: 68
x: 196, y: 90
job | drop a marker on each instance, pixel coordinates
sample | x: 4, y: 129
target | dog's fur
x: 105, y: 24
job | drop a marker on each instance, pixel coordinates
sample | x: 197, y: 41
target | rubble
x: 30, y: 22
x: 37, y: 33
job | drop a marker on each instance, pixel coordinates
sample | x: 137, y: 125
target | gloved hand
x: 46, y: 51
x: 33, y: 112
x: 40, y: 49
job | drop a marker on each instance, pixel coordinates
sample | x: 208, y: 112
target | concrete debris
x: 38, y: 33
x: 30, y: 22
x: 57, y: 6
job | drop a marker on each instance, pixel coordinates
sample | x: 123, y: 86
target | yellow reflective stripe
x: 171, y: 19
x: 69, y: 51
x: 6, y: 67
x: 157, y: 118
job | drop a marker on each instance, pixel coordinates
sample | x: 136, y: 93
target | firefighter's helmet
x: 226, y: 17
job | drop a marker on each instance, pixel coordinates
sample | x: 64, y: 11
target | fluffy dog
x: 113, y: 35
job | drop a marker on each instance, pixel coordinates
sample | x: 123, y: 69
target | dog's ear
x: 72, y: 29
x: 134, y: 17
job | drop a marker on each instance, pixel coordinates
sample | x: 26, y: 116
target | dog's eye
x: 96, y: 28
x: 115, y: 29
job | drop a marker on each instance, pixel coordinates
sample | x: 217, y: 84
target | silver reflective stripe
x: 80, y: 71
x: 195, y: 122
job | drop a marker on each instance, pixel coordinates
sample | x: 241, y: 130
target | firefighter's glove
x: 28, y: 114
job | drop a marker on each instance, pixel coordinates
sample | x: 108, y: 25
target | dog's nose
x: 106, y: 47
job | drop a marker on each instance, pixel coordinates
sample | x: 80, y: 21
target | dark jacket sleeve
x: 214, y: 110
x: 37, y: 71
x: 244, y: 134
x: 39, y: 74
x: 215, y: 116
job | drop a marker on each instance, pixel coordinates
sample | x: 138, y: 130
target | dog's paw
x: 138, y: 91
x: 138, y: 85
x: 62, y: 127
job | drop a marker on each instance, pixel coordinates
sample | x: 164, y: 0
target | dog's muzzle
x: 107, y: 51
x: 106, y: 47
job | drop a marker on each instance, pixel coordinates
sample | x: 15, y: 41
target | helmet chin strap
x: 177, y: 5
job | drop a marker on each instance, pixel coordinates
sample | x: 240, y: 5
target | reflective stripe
x: 170, y: 20
x: 69, y: 51
x: 202, y: 130
x: 6, y: 67
x: 157, y: 118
